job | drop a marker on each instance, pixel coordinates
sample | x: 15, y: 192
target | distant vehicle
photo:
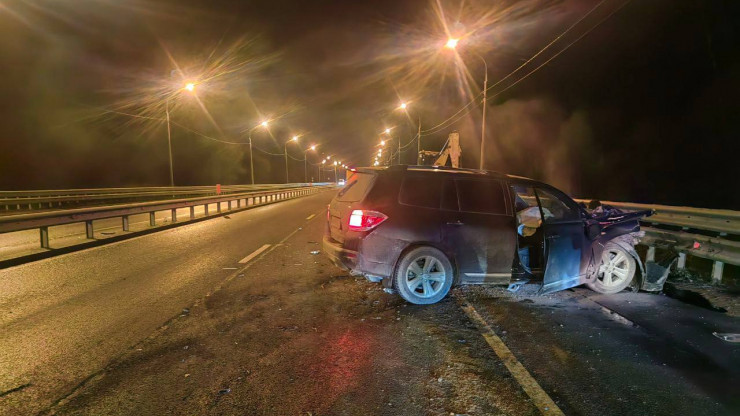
x: 421, y: 229
x: 340, y: 182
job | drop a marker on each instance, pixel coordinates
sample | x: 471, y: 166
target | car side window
x: 554, y: 209
x: 524, y: 197
x: 482, y: 196
x: 421, y: 191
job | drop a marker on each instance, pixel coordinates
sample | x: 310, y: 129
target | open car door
x: 564, y: 241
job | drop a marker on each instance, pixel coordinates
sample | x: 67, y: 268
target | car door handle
x: 456, y: 223
x: 553, y: 237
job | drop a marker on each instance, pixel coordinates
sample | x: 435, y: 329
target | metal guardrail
x: 698, y: 232
x: 43, y: 220
x: 46, y: 199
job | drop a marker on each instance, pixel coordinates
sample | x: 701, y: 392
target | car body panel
x: 484, y: 245
x: 564, y: 244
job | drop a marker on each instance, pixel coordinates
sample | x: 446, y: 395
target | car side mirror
x: 593, y: 230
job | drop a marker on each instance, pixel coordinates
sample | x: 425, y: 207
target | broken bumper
x: 341, y: 257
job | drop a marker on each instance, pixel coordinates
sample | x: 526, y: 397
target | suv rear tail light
x: 361, y: 220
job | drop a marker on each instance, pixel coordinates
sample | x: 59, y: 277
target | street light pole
x: 190, y: 86
x: 483, y: 121
x: 294, y: 139
x: 418, y: 144
x: 251, y: 162
x: 169, y: 139
x: 286, y: 162
x: 305, y: 163
x: 399, y: 150
x: 452, y: 44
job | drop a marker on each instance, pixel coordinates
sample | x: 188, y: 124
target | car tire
x: 616, y: 270
x: 424, y: 276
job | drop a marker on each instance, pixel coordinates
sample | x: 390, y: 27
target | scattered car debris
x: 227, y: 217
x: 734, y: 338
x: 690, y: 297
x: 315, y: 252
x: 224, y: 391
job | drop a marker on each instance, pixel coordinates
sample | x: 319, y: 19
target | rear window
x: 484, y: 196
x: 421, y: 191
x: 356, y: 188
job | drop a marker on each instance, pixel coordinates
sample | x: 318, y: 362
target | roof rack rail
x: 398, y: 167
x: 451, y: 169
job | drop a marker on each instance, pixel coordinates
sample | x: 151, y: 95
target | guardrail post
x: 192, y: 212
x: 44, y: 235
x: 238, y: 203
x: 681, y: 261
x: 124, y: 222
x: 205, y: 208
x: 229, y: 205
x: 152, y: 219
x: 89, y: 229
x: 218, y: 206
x: 717, y: 272
x: 650, y: 254
x: 174, y: 214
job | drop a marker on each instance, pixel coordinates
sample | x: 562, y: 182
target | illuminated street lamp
x: 382, y: 142
x: 293, y: 139
x: 190, y: 86
x: 263, y: 124
x: 452, y: 44
x: 305, y: 162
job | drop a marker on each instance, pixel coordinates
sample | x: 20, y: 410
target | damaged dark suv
x: 421, y: 229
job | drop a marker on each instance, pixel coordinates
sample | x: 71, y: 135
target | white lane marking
x: 254, y: 254
x: 530, y: 386
x: 310, y: 216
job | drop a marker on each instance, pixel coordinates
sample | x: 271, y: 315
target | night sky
x: 643, y: 108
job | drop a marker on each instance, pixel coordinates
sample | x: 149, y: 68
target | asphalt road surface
x: 237, y: 316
